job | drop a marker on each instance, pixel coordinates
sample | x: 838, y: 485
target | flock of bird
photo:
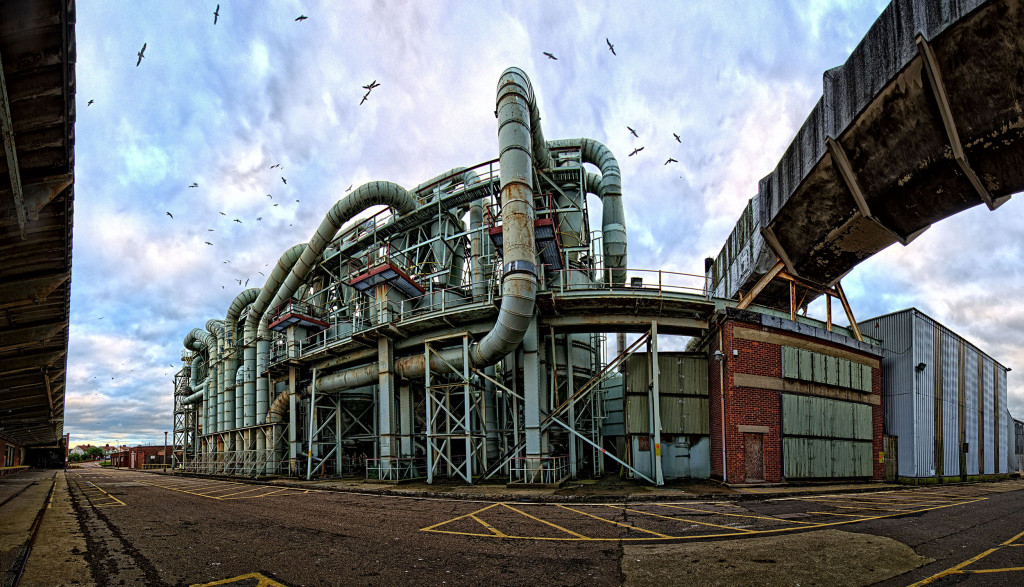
x: 633, y: 132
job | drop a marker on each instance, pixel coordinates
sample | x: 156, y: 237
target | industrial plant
x: 473, y: 327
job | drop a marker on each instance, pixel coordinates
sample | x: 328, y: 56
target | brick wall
x: 760, y: 409
x: 18, y: 454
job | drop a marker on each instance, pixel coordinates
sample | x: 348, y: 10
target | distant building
x: 80, y: 449
x: 1018, y: 435
x: 139, y: 457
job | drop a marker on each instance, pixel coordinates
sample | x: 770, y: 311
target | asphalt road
x: 141, y: 528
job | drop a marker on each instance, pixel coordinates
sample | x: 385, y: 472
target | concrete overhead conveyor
x: 457, y: 332
x: 924, y: 120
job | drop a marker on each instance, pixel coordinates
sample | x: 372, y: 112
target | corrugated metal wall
x: 957, y: 399
x: 683, y: 387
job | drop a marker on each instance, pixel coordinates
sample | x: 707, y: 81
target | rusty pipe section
x: 609, y: 189
x: 517, y: 148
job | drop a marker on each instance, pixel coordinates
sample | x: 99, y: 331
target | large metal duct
x: 613, y: 219
x: 243, y: 299
x: 518, y: 151
x: 215, y: 364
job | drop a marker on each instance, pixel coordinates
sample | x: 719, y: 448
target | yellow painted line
x: 100, y: 489
x: 494, y: 530
x: 622, y: 524
x: 276, y: 491
x: 241, y: 492
x: 261, y: 581
x: 553, y: 525
x: 959, y: 569
x: 431, y: 528
x: 733, y: 528
x: 840, y: 514
x: 680, y: 507
x: 1004, y: 570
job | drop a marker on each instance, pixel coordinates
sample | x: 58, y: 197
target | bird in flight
x: 209, y: 243
x: 610, y: 46
x: 261, y: 273
x: 223, y: 214
x: 194, y: 185
x: 216, y: 13
x: 259, y: 218
x: 371, y: 85
x: 284, y: 181
x: 296, y: 201
x: 633, y: 132
x: 671, y: 160
x: 270, y: 196
x: 550, y: 56
x: 246, y: 283
x: 90, y: 102
x: 349, y: 188
x: 239, y: 281
x: 301, y: 17
x: 275, y: 204
x: 141, y: 51
x: 238, y: 221
x: 275, y: 166
x: 169, y: 214
x: 228, y: 261
x: 635, y: 151
x: 209, y: 230
x: 365, y: 96
x: 677, y: 138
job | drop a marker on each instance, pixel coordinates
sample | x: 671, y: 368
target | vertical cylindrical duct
x: 476, y: 249
x: 243, y: 299
x: 259, y: 413
x: 613, y: 218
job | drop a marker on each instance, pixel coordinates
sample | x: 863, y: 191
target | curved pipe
x: 215, y: 381
x: 243, y: 299
x: 516, y: 107
x: 609, y: 189
x: 279, y: 408
x: 199, y: 340
x: 375, y: 193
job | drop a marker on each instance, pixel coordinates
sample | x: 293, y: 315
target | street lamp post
x: 165, y: 452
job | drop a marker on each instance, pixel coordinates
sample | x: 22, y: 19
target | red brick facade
x: 749, y: 411
x: 135, y: 458
x: 17, y: 453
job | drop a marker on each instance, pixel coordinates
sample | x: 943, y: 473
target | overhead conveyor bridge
x: 924, y: 120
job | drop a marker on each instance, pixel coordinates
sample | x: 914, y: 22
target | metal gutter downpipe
x: 519, y: 282
x: 613, y: 218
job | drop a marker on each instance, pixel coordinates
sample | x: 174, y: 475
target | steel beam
x: 28, y: 291
x: 931, y: 67
x: 751, y: 295
x: 14, y: 171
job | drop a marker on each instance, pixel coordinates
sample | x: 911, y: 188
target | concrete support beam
x: 7, y: 133
x: 27, y: 291
x: 385, y: 398
x: 20, y: 337
x: 931, y: 67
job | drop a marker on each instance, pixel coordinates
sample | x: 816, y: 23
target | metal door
x: 890, y: 452
x: 753, y: 456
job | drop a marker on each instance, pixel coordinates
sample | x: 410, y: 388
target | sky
x: 217, y: 105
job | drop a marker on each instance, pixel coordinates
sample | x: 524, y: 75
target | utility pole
x: 165, y: 452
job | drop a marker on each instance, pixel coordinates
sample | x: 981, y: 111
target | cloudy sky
x: 218, y: 105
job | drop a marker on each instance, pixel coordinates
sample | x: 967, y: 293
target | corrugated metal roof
x: 37, y: 51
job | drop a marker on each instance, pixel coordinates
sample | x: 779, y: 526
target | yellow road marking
x: 622, y: 524
x: 553, y: 525
x: 683, y: 519
x: 100, y: 489
x: 1004, y: 570
x: 838, y: 514
x: 276, y: 491
x: 959, y: 569
x: 489, y: 527
x: 241, y: 492
x: 262, y: 581
x: 680, y: 507
x: 483, y: 509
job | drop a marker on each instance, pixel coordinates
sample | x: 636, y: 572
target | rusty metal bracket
x: 931, y: 67
x: 759, y: 286
x: 842, y: 164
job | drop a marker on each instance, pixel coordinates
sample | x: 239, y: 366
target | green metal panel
x: 863, y: 425
x: 806, y: 372
x: 818, y: 369
x: 865, y: 378
x: 637, y: 375
x: 804, y: 415
x: 637, y: 419
x: 844, y: 373
x: 822, y: 458
x: 790, y: 362
x: 855, y: 376
x: 696, y: 419
x: 831, y: 370
x: 693, y: 372
x: 672, y: 414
